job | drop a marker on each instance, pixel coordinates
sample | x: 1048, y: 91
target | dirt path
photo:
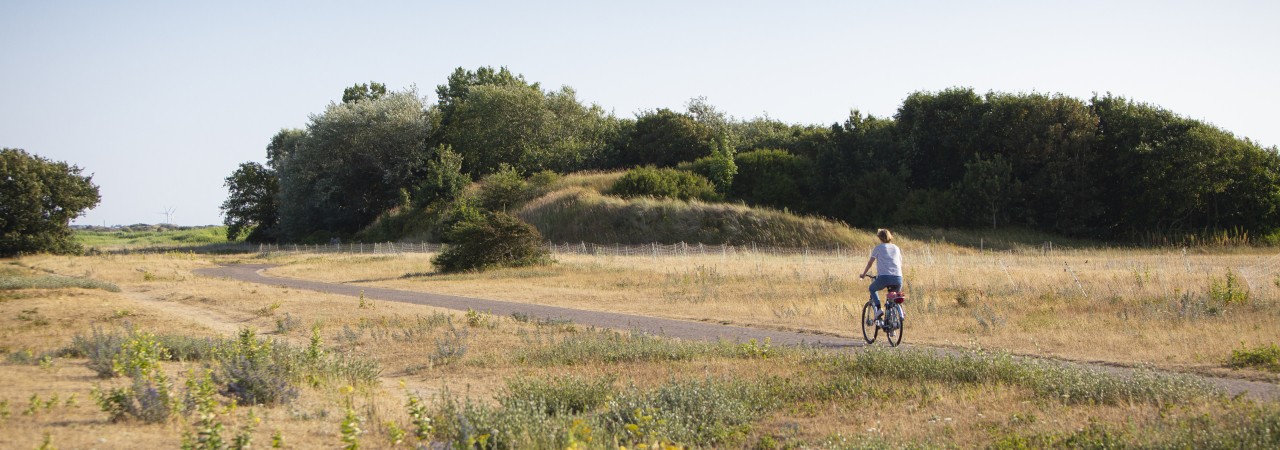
x: 665, y: 327
x: 213, y: 320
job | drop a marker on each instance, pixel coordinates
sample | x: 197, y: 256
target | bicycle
x: 893, y: 321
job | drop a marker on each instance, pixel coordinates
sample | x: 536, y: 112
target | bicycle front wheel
x: 869, y: 329
x: 893, y: 317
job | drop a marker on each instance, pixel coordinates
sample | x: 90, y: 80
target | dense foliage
x: 649, y: 181
x: 493, y: 239
x: 38, y: 200
x: 353, y: 162
x: 1107, y: 168
x: 251, y: 204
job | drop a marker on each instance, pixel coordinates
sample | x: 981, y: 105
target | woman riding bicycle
x: 888, y: 260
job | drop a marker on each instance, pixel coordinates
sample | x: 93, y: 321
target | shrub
x: 1228, y: 290
x: 649, y: 181
x: 702, y: 413
x: 151, y: 396
x: 1265, y: 357
x: 101, y: 350
x: 558, y: 396
x: 254, y: 373
x: 495, y: 239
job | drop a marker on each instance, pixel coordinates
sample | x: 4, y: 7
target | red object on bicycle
x: 897, y: 297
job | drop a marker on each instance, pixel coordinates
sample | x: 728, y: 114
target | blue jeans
x: 881, y: 282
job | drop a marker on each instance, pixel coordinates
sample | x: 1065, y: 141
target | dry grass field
x: 376, y: 373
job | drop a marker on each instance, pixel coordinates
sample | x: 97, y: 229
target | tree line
x: 1108, y: 168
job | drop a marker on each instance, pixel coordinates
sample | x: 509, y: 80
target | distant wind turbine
x: 168, y: 214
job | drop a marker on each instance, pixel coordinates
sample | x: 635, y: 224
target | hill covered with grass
x: 580, y: 214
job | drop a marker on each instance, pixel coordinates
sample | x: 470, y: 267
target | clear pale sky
x: 162, y: 100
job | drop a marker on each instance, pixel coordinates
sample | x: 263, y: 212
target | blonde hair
x: 884, y: 235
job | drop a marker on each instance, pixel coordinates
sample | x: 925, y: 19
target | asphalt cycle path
x: 684, y: 329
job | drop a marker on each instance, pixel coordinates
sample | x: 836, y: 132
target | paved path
x: 684, y: 329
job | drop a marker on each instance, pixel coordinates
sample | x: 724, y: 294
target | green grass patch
x: 151, y: 236
x: 1266, y: 357
x: 613, y: 347
x: 1051, y: 380
x: 12, y: 280
x: 1246, y: 426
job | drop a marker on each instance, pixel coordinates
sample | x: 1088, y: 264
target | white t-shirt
x: 888, y: 259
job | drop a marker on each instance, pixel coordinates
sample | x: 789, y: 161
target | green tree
x: 773, y: 178
x: 354, y: 162
x: 665, y: 138
x: 938, y: 132
x: 1049, y: 141
x: 38, y: 200
x: 990, y: 184
x: 443, y: 179
x: 722, y: 167
x: 527, y: 128
x: 251, y: 204
x: 284, y: 144
x: 859, y: 146
x: 371, y: 91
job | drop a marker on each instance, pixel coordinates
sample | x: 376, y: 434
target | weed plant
x: 254, y: 373
x: 151, y: 397
x: 558, y: 396
x: 1266, y: 357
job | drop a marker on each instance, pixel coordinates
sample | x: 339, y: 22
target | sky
x: 160, y: 101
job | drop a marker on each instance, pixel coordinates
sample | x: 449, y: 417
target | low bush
x: 1266, y: 357
x: 670, y: 183
x: 507, y: 190
x: 151, y: 396
x: 702, y: 413
x: 255, y: 373
x: 558, y: 396
x: 494, y: 239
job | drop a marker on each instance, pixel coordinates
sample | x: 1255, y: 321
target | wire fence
x: 581, y: 248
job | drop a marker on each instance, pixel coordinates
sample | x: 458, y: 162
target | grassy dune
x: 580, y: 214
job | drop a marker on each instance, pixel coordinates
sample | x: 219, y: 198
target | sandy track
x: 660, y: 326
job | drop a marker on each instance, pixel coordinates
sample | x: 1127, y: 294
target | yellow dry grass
x: 1122, y: 310
x: 1151, y: 307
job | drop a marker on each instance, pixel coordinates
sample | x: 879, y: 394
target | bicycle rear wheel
x: 869, y: 329
x: 894, y: 320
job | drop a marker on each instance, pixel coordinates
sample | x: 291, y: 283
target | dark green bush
x: 506, y: 189
x: 772, y: 177
x: 494, y: 239
x: 649, y: 181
